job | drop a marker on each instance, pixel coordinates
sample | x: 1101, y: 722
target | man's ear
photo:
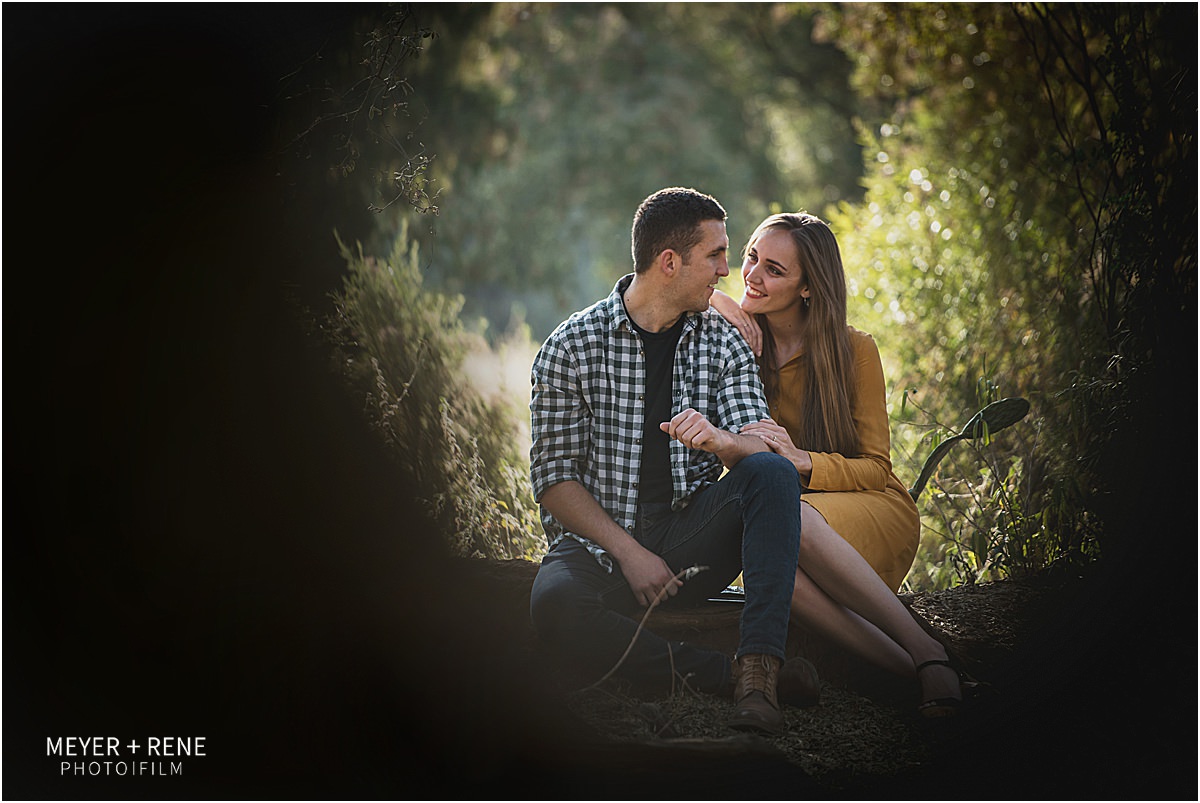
x: 668, y: 262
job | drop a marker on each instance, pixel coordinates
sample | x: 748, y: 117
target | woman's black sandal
x: 940, y: 706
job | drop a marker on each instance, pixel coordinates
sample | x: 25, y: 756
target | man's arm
x: 740, y: 396
x: 561, y: 428
x: 579, y: 512
x: 695, y: 431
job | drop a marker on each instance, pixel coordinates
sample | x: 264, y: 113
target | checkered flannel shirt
x: 588, y: 402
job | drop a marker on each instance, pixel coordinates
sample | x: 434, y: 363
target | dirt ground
x: 849, y: 741
x: 1062, y: 717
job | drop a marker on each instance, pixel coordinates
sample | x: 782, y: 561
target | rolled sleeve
x: 560, y: 421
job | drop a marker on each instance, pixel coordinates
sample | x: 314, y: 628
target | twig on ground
x: 671, y: 658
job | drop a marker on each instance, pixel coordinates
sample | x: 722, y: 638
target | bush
x: 402, y: 350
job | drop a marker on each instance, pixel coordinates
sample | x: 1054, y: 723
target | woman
x: 824, y: 383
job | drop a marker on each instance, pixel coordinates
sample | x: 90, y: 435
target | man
x: 637, y: 402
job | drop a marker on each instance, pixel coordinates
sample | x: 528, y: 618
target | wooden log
x: 715, y: 625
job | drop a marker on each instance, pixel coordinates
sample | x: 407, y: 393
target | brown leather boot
x: 798, y: 685
x: 755, y: 678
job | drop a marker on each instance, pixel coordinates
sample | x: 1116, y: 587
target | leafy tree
x: 346, y: 143
x: 1029, y: 229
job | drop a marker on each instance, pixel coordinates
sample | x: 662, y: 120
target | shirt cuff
x: 820, y: 466
x: 545, y: 476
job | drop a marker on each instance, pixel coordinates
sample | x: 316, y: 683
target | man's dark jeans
x: 748, y: 522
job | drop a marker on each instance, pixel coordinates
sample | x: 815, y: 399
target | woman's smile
x: 771, y: 270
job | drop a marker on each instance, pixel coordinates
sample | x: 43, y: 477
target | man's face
x: 703, y: 266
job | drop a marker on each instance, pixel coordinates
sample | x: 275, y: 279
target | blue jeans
x: 748, y: 522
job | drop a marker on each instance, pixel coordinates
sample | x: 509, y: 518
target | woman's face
x: 772, y: 273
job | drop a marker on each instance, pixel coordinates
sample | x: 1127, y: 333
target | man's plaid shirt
x: 588, y: 402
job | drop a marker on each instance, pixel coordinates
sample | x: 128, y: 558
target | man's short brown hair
x: 671, y: 218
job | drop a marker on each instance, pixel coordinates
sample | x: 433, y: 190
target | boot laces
x: 759, y: 673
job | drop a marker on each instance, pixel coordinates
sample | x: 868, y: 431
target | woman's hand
x: 777, y: 440
x: 742, y: 321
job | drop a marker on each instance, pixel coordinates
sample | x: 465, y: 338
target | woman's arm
x: 742, y: 321
x: 872, y: 468
x: 823, y: 471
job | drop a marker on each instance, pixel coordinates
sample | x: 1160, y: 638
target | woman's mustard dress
x: 860, y: 497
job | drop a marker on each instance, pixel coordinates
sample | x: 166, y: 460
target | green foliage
x: 1030, y: 224
x: 983, y: 516
x: 402, y: 349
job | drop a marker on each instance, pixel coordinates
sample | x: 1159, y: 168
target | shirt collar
x: 618, y: 317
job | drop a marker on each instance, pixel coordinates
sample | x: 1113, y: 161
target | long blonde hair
x: 826, y: 420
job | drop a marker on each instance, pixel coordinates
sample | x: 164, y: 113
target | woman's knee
x: 816, y: 530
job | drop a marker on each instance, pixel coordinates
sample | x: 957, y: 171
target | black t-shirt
x: 654, y: 482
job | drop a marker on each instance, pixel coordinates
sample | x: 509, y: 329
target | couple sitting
x: 641, y: 402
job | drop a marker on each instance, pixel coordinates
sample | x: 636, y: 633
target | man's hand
x: 695, y: 431
x: 579, y: 512
x: 647, y: 573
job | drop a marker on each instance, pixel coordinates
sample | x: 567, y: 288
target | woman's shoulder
x: 860, y: 339
x: 864, y: 347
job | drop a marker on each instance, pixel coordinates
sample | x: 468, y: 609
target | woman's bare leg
x: 837, y: 569
x: 818, y: 613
